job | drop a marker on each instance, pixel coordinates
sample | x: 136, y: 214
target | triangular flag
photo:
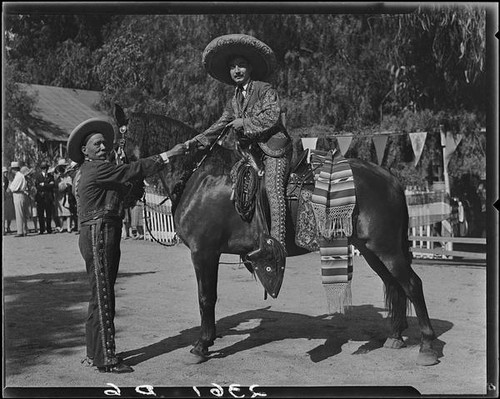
x: 380, y: 140
x: 451, y: 145
x: 344, y: 143
x: 417, y: 140
x: 309, y: 143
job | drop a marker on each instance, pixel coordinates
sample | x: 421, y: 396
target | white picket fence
x: 158, y: 218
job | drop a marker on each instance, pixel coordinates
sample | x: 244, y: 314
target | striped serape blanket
x: 427, y: 207
x: 334, y: 195
x: 336, y: 273
x: 333, y: 202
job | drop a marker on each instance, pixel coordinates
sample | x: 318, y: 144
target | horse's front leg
x: 206, y: 266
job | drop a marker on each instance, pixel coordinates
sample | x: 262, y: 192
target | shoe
x: 20, y: 235
x: 42, y: 232
x: 118, y: 368
x: 87, y: 362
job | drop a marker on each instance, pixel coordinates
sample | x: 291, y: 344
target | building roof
x: 59, y: 110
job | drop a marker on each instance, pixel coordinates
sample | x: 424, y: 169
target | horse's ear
x: 119, y: 114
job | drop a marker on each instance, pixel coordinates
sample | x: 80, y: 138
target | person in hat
x: 63, y: 195
x: 254, y: 112
x: 44, y: 198
x: 19, y: 187
x: 8, y: 202
x: 100, y: 190
x: 71, y: 173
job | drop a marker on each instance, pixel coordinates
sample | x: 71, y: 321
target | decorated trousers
x: 276, y: 172
x: 100, y: 247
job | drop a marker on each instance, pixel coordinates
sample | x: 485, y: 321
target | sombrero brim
x: 79, y: 133
x: 217, y: 53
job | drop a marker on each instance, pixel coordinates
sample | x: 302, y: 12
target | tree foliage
x: 359, y: 73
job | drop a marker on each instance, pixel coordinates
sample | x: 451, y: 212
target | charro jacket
x: 99, y: 186
x: 261, y: 113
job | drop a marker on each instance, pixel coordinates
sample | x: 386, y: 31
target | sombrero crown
x: 84, y: 129
x: 218, y: 52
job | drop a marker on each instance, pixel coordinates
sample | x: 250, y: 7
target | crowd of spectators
x: 41, y: 200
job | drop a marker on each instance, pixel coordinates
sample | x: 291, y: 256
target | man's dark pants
x: 100, y: 247
x: 44, y: 212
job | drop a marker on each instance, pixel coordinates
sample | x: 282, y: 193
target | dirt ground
x: 285, y: 342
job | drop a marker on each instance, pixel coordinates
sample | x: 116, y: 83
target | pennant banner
x: 344, y: 143
x: 309, y: 143
x: 417, y: 140
x: 452, y: 143
x: 380, y: 141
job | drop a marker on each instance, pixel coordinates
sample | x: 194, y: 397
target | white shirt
x: 244, y: 90
x: 18, y: 183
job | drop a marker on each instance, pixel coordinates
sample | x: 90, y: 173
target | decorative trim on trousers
x: 276, y: 171
x: 100, y: 247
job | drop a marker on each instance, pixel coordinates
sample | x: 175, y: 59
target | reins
x: 146, y: 218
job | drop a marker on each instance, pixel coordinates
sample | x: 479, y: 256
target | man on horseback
x: 254, y: 114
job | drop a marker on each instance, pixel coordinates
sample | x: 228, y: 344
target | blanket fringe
x: 333, y: 222
x: 338, y: 297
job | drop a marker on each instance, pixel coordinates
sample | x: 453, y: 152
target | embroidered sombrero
x: 79, y: 133
x: 217, y: 53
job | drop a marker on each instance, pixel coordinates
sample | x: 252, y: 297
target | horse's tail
x: 396, y: 300
x: 405, y: 242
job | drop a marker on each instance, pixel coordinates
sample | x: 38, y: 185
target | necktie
x: 241, y: 98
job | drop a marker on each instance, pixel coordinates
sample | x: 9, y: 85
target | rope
x: 245, y: 186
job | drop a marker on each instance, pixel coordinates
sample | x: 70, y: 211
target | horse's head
x: 150, y: 134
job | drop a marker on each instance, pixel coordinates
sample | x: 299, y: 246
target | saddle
x: 267, y: 262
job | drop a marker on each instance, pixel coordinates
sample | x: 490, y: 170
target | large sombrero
x: 217, y: 53
x: 83, y: 130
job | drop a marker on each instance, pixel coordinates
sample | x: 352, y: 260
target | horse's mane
x: 153, y: 133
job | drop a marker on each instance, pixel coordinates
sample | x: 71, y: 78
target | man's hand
x: 237, y: 124
x: 178, y: 149
x: 192, y: 144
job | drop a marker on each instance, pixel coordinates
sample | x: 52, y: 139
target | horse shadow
x: 262, y: 326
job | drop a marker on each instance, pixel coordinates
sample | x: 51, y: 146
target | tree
x: 438, y: 58
x: 18, y: 106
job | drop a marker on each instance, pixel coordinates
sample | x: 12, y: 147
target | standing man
x: 44, y: 197
x: 99, y: 188
x: 19, y: 189
x: 254, y: 112
x: 8, y: 202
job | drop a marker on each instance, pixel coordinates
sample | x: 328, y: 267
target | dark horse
x: 207, y: 222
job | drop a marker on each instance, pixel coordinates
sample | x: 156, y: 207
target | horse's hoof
x: 394, y: 343
x: 427, y: 358
x: 195, y: 357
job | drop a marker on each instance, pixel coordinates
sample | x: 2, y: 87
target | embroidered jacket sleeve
x: 99, y: 185
x: 209, y: 135
x: 110, y: 175
x: 265, y: 114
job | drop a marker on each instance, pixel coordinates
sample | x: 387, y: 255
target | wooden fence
x: 425, y: 246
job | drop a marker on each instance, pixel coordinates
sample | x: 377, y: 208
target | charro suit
x: 261, y: 113
x: 99, y: 190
